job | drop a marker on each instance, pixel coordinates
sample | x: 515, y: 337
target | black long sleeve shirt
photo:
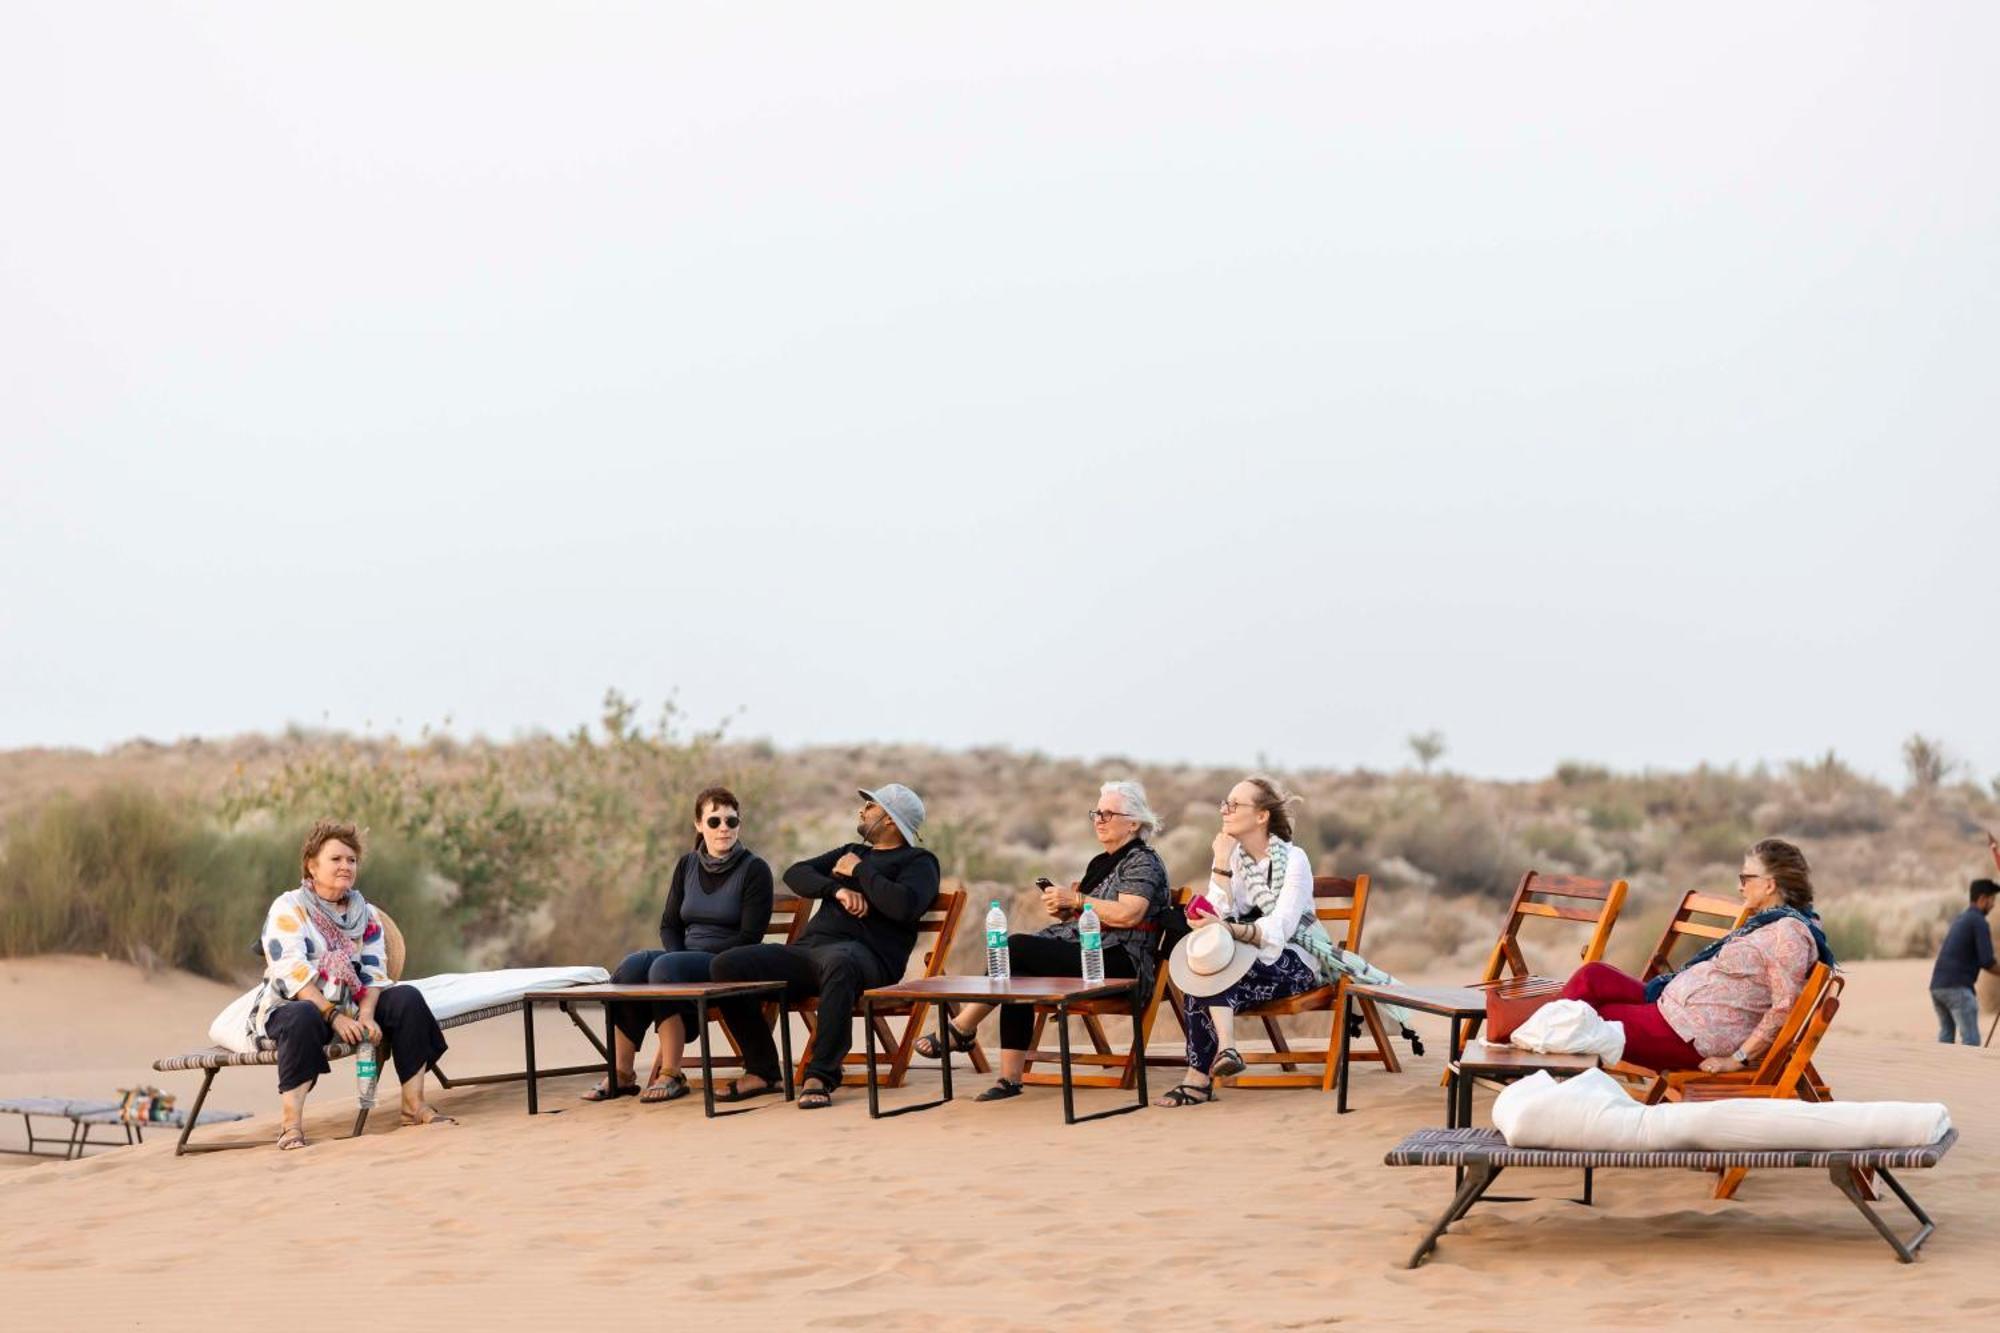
x: 757, y: 896
x: 900, y: 885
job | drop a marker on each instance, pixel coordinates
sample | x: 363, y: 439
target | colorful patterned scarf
x: 342, y: 927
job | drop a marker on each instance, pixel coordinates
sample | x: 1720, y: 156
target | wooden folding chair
x: 1091, y: 1013
x: 1591, y: 902
x: 1708, y: 917
x: 1701, y: 916
x: 940, y: 922
x: 1783, y: 1072
x: 1342, y: 907
x: 1555, y: 897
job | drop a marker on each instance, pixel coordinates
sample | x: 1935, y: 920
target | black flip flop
x: 736, y: 1092
x: 1001, y: 1090
x: 815, y: 1098
x: 598, y: 1094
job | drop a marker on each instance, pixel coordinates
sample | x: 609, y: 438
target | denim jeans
x: 1959, y: 1005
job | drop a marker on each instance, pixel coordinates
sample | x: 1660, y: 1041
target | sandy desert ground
x: 1264, y: 1210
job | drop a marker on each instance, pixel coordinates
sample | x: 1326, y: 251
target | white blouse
x: 1295, y: 898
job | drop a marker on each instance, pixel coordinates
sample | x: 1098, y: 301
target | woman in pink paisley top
x: 1720, y: 1012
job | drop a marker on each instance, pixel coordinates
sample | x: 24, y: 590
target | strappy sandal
x: 815, y: 1096
x: 290, y: 1137
x: 601, y: 1093
x: 436, y: 1117
x: 927, y: 1045
x: 1001, y: 1091
x: 1228, y: 1063
x: 734, y: 1091
x: 1187, y: 1094
x: 672, y: 1087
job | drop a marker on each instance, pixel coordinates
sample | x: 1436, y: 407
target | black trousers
x: 837, y: 973
x: 1040, y: 956
x: 661, y: 968
x: 409, y: 1030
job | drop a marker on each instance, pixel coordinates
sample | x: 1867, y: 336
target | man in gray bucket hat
x: 873, y: 893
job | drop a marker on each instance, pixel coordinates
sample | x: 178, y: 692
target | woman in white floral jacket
x: 326, y: 980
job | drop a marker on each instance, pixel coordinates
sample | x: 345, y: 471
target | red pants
x: 1618, y: 998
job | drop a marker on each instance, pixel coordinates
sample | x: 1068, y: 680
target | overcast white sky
x: 1181, y: 382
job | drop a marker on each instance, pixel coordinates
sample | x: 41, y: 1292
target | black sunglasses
x: 717, y: 821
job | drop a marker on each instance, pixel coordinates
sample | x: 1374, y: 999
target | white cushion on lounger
x: 1592, y: 1111
x: 453, y: 993
x: 449, y: 994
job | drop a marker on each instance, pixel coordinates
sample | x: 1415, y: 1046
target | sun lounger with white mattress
x: 456, y: 998
x: 1588, y: 1122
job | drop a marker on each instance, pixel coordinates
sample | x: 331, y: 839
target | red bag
x: 1510, y: 1002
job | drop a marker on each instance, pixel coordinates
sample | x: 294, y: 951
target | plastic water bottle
x: 367, y: 1073
x: 997, y: 967
x: 1090, y: 935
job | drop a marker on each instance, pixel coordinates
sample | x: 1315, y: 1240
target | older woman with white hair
x: 1126, y: 884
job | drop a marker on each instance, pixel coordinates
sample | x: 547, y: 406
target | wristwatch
x: 1740, y: 1056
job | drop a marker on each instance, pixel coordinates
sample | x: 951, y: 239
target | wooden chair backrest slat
x: 1532, y: 898
x: 941, y: 921
x: 1727, y: 915
x: 1341, y: 905
x: 1555, y: 913
x: 788, y: 918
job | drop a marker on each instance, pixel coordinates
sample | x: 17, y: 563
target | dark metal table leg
x: 1070, y: 1117
x: 868, y: 1045
x: 1139, y: 1040
x: 944, y: 1045
x: 1062, y: 1043
x: 707, y: 1065
x: 610, y: 1052
x: 1465, y: 1082
x: 875, y: 1111
x: 528, y: 1023
x: 1347, y: 1009
x: 785, y: 1043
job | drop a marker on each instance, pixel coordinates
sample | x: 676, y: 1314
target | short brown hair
x: 1279, y: 802
x: 715, y: 796
x: 1787, y: 865
x: 324, y: 832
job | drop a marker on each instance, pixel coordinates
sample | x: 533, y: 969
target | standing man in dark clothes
x: 1967, y: 951
x: 873, y: 894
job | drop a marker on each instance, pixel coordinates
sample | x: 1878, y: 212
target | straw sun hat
x: 1209, y: 960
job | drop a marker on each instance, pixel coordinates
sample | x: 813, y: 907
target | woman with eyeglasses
x: 719, y: 898
x: 1256, y: 936
x: 1722, y: 1010
x: 1126, y: 884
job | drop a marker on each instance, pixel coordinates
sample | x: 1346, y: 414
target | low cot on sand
x: 1484, y: 1154
x: 83, y: 1115
x: 455, y: 998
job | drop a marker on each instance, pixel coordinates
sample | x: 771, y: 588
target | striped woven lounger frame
x: 1484, y: 1154
x: 215, y: 1058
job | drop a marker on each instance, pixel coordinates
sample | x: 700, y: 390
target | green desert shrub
x: 136, y: 876
x: 1850, y: 932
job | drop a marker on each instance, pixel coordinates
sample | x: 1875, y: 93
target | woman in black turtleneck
x: 720, y: 898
